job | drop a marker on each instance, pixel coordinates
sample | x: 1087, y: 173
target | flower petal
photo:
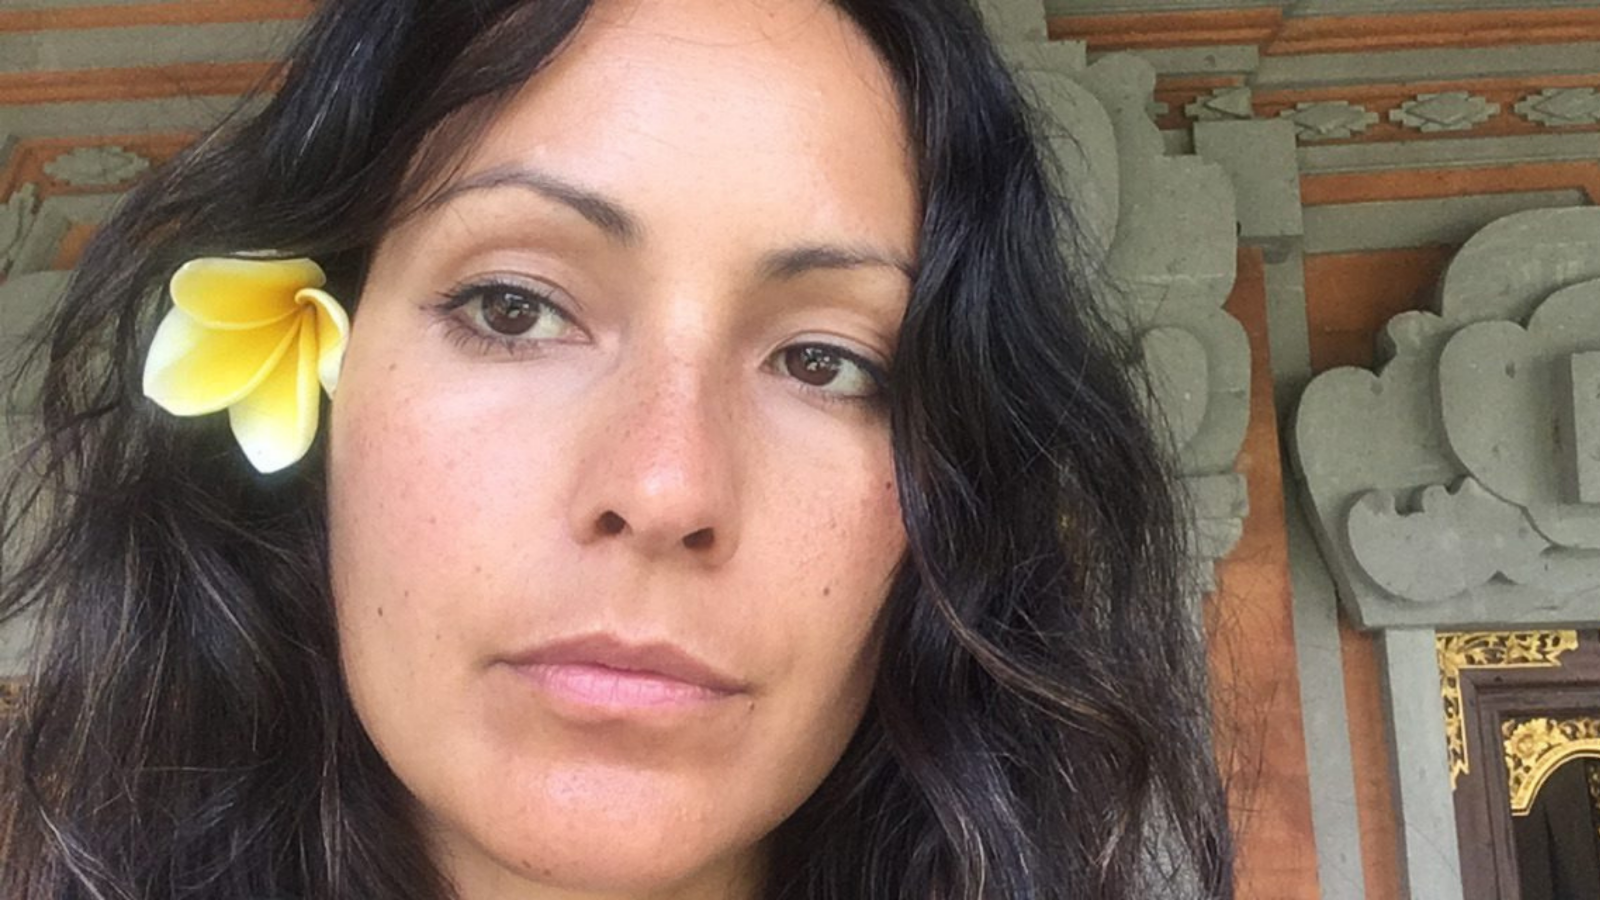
x: 333, y: 330
x: 226, y: 293
x: 277, y: 422
x: 192, y: 370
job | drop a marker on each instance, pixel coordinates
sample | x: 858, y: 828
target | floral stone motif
x: 1562, y: 107
x: 1448, y: 111
x: 96, y: 166
x: 1221, y: 105
x: 1329, y: 120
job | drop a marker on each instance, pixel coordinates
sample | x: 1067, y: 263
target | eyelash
x: 470, y: 337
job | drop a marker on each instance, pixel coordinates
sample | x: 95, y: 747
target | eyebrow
x: 625, y: 228
x: 607, y: 215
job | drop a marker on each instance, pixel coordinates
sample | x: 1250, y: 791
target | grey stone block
x: 1014, y: 20
x: 1430, y: 859
x: 1261, y: 162
x: 1391, y: 224
x: 1446, y: 489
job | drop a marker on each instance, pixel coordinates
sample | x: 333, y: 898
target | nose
x: 658, y: 470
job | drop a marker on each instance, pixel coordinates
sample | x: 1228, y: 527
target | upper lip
x: 654, y: 658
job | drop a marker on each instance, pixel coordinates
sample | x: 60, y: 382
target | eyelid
x: 875, y: 371
x: 854, y: 350
x: 453, y: 300
x: 463, y: 292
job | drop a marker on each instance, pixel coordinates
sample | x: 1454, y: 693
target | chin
x: 601, y: 844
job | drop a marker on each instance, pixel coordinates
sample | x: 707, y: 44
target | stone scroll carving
x: 1164, y: 231
x: 16, y: 218
x: 1459, y: 485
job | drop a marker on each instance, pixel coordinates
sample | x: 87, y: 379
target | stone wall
x: 1358, y: 241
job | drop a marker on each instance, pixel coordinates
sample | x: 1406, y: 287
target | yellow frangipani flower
x: 254, y: 337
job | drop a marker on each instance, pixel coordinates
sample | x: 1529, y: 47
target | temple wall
x: 1343, y: 228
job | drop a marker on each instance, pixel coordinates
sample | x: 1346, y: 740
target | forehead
x: 740, y: 103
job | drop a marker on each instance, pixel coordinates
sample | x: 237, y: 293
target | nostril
x: 698, y: 540
x: 611, y: 523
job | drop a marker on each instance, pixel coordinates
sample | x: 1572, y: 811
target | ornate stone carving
x: 1447, y: 111
x: 52, y: 219
x: 1561, y: 107
x: 1222, y: 104
x: 16, y: 218
x: 1460, y: 484
x: 1455, y: 540
x: 1488, y: 650
x: 1329, y: 120
x: 1536, y: 747
x: 1164, y: 231
x: 1520, y: 412
x: 96, y: 166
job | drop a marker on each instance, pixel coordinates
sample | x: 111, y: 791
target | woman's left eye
x: 830, y: 370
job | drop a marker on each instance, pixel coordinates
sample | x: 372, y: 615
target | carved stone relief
x: 1562, y: 107
x: 24, y: 301
x: 38, y: 244
x: 1221, y: 105
x: 16, y: 218
x: 1460, y: 483
x: 1329, y: 120
x: 1164, y: 230
x: 1443, y: 111
x: 96, y: 166
x: 1447, y: 111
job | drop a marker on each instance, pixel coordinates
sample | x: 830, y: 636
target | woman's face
x: 612, y: 501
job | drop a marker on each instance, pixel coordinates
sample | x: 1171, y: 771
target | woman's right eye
x: 517, y: 312
x: 504, y: 316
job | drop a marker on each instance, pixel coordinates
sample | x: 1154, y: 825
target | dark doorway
x: 1558, y: 839
x: 1552, y: 851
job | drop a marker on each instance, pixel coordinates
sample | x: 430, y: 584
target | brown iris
x: 816, y: 366
x: 510, y: 312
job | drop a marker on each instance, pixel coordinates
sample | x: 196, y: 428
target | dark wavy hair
x: 1039, y: 727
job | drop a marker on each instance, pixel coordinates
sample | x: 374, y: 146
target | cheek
x: 838, y: 542
x: 406, y: 536
x: 377, y: 531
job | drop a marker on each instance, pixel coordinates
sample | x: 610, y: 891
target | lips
x: 604, y: 671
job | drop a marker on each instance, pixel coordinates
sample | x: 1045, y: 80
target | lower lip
x: 599, y: 687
